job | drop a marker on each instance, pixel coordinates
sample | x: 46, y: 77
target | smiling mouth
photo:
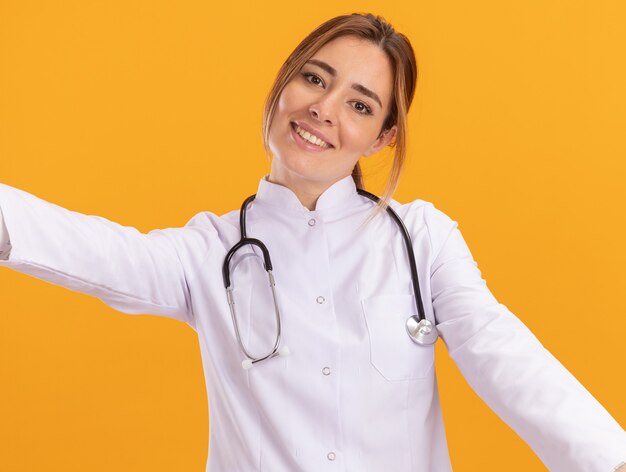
x: 310, y: 137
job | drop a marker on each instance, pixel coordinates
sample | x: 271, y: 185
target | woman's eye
x: 312, y: 78
x: 315, y: 79
x: 362, y: 108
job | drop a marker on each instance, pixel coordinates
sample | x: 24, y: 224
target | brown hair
x: 404, y: 69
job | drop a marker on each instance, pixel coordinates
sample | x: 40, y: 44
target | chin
x: 290, y: 162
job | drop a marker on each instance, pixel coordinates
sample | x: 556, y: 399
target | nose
x: 324, y: 110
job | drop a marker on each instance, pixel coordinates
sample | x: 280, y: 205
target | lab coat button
x: 320, y: 299
x: 326, y: 371
x: 331, y: 456
x: 312, y: 222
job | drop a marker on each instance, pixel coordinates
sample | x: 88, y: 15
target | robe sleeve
x: 509, y: 369
x: 5, y: 244
x: 130, y: 271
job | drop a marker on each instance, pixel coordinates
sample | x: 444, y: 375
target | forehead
x: 358, y: 60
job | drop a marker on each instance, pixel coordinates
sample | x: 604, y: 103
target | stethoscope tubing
x: 409, y: 248
x: 419, y: 328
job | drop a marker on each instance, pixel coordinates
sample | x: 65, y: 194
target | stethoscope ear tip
x: 248, y: 363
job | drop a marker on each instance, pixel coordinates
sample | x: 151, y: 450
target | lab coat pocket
x: 392, y: 352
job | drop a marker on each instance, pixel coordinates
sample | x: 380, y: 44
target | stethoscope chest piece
x: 421, y: 332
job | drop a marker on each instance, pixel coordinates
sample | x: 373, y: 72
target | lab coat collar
x: 339, y: 195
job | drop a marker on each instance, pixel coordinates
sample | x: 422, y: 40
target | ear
x: 383, y: 140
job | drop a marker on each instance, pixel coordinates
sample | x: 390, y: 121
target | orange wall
x: 137, y: 111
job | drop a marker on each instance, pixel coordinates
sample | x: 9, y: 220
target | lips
x: 313, y: 131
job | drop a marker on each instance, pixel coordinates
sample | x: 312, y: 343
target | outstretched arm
x: 511, y: 371
x: 128, y: 270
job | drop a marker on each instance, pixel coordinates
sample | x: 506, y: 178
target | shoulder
x: 422, y: 216
x: 206, y: 228
x: 212, y: 221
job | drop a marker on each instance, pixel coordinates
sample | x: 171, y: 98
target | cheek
x: 284, y: 107
x: 283, y: 102
x: 289, y: 98
x: 358, y: 136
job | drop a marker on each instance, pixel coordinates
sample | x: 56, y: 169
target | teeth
x: 311, y: 138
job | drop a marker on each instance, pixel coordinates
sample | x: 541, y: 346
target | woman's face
x: 341, y: 96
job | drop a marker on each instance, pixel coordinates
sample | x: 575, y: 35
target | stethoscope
x: 420, y: 330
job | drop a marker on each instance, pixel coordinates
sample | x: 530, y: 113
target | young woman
x: 338, y: 351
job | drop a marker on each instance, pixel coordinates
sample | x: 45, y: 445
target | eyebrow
x: 358, y: 87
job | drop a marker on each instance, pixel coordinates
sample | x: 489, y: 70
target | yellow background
x: 147, y: 112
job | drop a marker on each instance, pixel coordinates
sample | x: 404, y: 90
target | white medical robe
x: 355, y: 394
